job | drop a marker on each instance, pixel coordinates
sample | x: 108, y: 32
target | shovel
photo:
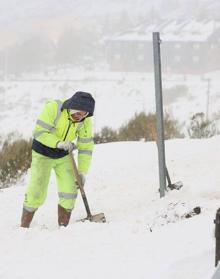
x: 98, y: 218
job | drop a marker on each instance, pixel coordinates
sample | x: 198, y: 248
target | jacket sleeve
x: 45, y: 125
x: 85, y: 145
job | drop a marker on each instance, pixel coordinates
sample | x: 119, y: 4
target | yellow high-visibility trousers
x: 36, y: 191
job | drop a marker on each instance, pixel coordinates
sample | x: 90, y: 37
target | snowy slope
x: 144, y: 237
x: 118, y: 97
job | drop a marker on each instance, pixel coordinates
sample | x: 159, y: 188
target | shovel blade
x: 177, y: 185
x: 97, y: 218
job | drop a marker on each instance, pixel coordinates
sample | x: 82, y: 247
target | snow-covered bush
x: 201, y: 127
x: 15, y: 158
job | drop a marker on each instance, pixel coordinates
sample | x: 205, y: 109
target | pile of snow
x: 144, y: 237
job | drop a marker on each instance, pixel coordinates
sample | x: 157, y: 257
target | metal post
x: 217, y: 237
x: 207, y: 102
x: 159, y: 112
x: 6, y: 65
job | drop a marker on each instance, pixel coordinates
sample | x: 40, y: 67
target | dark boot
x: 63, y: 216
x: 26, y: 218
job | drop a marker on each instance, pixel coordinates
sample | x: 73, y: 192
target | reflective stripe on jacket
x: 54, y: 125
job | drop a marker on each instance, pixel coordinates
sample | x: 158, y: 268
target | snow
x: 144, y: 237
x: 127, y: 93
x: 118, y: 97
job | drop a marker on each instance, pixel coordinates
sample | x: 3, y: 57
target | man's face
x: 77, y: 116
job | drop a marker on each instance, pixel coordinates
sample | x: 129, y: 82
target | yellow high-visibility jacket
x: 53, y: 125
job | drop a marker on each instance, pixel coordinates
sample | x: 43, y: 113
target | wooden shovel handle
x: 81, y: 188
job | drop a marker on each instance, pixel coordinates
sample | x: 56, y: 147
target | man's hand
x: 66, y: 145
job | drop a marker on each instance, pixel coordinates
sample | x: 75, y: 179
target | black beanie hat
x: 80, y: 101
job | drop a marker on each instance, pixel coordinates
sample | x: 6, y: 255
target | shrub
x: 140, y: 127
x: 200, y: 127
x: 106, y: 135
x: 172, y: 128
x: 143, y: 127
x: 15, y: 159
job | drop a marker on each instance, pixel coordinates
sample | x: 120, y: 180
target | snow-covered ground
x: 144, y: 237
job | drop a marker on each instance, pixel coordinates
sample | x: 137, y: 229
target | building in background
x: 188, y: 46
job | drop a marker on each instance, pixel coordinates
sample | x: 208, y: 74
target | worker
x: 61, y: 127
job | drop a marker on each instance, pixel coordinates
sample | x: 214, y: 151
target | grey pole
x: 6, y: 65
x: 207, y: 101
x: 159, y: 112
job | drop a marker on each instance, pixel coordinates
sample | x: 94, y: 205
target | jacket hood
x: 80, y: 101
